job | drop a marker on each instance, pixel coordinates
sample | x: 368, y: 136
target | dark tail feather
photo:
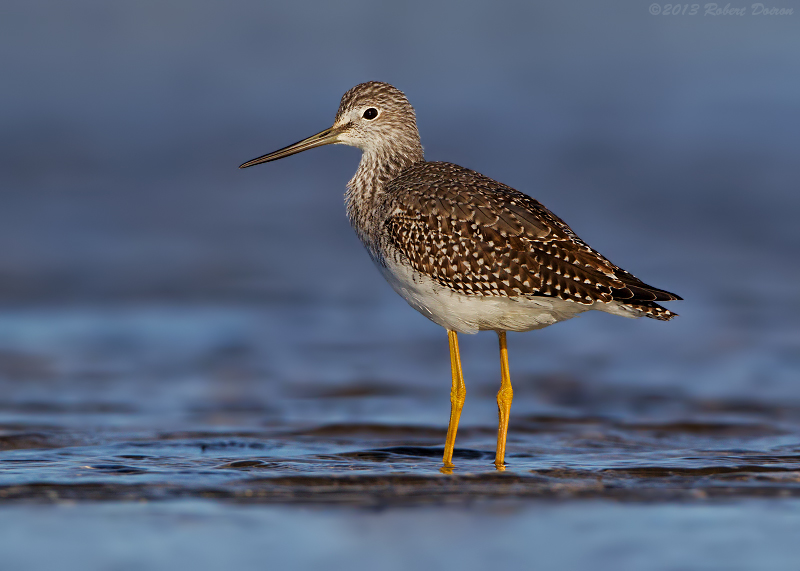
x: 635, y: 290
x: 653, y: 310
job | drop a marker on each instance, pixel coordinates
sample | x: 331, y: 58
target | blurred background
x: 171, y: 325
x: 133, y: 249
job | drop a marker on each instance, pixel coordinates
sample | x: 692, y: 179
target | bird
x: 469, y: 253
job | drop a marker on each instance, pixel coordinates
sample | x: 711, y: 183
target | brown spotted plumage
x: 476, y: 236
x: 466, y: 251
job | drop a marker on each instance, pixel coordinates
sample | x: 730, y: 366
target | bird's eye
x: 370, y: 113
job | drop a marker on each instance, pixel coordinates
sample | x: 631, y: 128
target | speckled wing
x: 480, y: 237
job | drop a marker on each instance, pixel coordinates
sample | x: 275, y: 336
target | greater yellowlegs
x: 466, y: 251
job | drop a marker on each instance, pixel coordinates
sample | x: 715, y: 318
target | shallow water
x: 164, y: 437
x: 196, y: 534
x: 168, y: 403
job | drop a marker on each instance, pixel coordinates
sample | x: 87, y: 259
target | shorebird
x: 469, y: 253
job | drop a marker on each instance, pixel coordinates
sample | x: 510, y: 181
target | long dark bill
x: 325, y: 137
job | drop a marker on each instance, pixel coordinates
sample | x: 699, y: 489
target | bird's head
x: 375, y: 117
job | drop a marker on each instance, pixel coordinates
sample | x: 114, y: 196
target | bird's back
x: 478, y: 237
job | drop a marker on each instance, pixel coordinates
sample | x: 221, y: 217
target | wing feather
x: 480, y: 237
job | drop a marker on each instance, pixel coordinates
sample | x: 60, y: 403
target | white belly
x: 473, y: 313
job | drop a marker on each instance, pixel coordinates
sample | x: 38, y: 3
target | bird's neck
x: 367, y: 188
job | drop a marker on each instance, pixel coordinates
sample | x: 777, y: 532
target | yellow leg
x: 458, y: 393
x: 504, y: 398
